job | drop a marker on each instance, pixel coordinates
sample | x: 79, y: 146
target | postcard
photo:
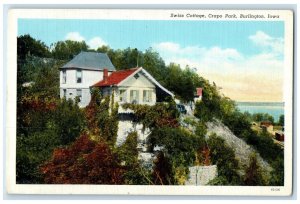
x: 149, y: 102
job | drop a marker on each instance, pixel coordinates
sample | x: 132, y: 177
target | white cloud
x: 75, y: 36
x: 267, y: 42
x: 244, y: 78
x: 93, y: 43
x: 96, y: 42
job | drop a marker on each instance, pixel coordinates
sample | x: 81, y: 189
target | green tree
x: 26, y: 45
x: 66, y: 50
x: 281, y: 120
x: 135, y: 173
x: 102, y: 116
x: 224, y: 157
x: 68, y: 120
x: 253, y: 176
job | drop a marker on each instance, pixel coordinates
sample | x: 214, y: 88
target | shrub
x: 253, y: 176
x: 157, y: 116
x: 83, y: 162
x: 102, y: 117
x: 224, y: 157
x: 162, y: 171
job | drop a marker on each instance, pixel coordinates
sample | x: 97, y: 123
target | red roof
x: 116, y: 77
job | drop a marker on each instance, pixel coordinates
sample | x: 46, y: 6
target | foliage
x: 128, y: 154
x: 43, y: 124
x: 179, y: 147
x: 213, y: 104
x: 159, y: 115
x: 102, y: 117
x: 224, y: 157
x: 41, y: 75
x: 66, y: 50
x: 258, y: 117
x: 68, y: 121
x: 277, y: 174
x: 26, y: 45
x: 162, y: 172
x: 281, y: 120
x: 84, y: 162
x: 32, y: 150
x: 254, y: 175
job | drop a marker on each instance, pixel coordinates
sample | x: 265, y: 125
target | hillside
x: 56, y: 137
x: 242, y: 150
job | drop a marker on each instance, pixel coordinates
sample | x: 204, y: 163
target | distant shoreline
x: 239, y: 103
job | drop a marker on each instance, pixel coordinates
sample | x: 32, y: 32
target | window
x: 134, y: 96
x: 147, y: 95
x: 64, y: 79
x: 65, y: 93
x: 78, y: 76
x: 79, y: 94
x: 122, y: 94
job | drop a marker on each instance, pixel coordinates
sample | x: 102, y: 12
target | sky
x: 244, y: 58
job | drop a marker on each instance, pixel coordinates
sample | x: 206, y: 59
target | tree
x: 162, y: 172
x: 135, y: 173
x: 26, y: 45
x: 102, y: 117
x: 281, y: 120
x: 224, y: 157
x: 66, y: 50
x: 68, y: 121
x: 253, y: 176
x: 83, y: 162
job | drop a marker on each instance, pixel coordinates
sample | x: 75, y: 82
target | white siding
x: 89, y: 78
x: 139, y: 84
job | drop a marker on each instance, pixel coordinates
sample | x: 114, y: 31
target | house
x: 266, y: 126
x: 279, y: 135
x: 80, y: 73
x: 198, y: 95
x: 134, y: 85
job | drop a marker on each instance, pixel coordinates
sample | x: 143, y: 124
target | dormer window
x: 78, y: 76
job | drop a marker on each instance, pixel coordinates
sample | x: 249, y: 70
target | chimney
x: 105, y: 75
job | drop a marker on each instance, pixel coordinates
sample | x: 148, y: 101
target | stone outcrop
x: 201, y: 175
x: 241, y: 148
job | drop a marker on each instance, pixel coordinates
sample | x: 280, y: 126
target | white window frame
x: 64, y: 76
x: 65, y: 93
x: 77, y: 76
x: 147, y: 96
x: 136, y: 98
x: 122, y: 95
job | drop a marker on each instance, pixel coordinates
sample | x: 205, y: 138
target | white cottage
x: 134, y: 85
x: 81, y: 72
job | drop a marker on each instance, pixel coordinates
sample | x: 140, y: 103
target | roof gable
x: 116, y: 77
x: 120, y: 77
x: 91, y: 61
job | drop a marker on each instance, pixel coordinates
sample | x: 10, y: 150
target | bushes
x: 84, y: 162
x: 102, y: 117
x: 179, y: 148
x: 157, y: 116
x: 135, y: 174
x: 69, y: 121
x: 254, y: 175
x: 224, y: 157
x: 42, y: 126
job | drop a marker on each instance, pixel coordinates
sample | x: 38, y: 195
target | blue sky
x: 142, y: 34
x: 231, y: 53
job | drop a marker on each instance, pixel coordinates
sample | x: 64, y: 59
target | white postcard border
x: 138, y: 14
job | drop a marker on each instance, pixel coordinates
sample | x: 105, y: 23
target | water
x: 275, y: 109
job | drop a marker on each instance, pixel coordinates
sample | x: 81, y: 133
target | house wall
x: 89, y: 77
x: 139, y: 84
